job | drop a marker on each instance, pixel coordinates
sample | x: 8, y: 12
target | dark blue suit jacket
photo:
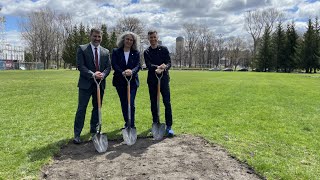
x: 86, y: 66
x: 119, y: 65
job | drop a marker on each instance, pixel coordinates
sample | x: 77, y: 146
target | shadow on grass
x: 65, y: 149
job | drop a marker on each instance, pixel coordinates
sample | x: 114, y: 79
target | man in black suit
x: 92, y: 61
x: 158, y: 61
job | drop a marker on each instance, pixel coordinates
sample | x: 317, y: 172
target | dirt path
x: 181, y: 157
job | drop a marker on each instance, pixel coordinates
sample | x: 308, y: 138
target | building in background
x: 180, y: 52
x: 11, y: 57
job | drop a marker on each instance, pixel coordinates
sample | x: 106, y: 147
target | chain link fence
x: 15, y: 65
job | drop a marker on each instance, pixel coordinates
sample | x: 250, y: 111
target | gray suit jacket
x: 86, y: 66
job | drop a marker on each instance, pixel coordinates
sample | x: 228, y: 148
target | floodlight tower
x: 2, y: 27
x: 2, y: 34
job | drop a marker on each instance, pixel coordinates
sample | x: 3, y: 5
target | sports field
x: 268, y: 120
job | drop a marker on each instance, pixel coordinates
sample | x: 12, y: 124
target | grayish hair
x: 136, y: 40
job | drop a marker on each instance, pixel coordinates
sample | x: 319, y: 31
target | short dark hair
x: 152, y: 32
x: 97, y: 30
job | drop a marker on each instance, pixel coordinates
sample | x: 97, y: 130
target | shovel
x: 100, y: 140
x: 158, y: 129
x: 129, y: 134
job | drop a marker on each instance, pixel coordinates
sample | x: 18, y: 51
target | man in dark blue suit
x: 126, y: 62
x: 92, y: 61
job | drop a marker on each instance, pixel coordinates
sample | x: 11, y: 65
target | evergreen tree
x: 105, y: 37
x: 83, y: 36
x: 88, y: 31
x: 70, y: 49
x: 265, y: 52
x: 113, y: 41
x: 291, y: 46
x: 308, y: 51
x: 317, y: 46
x: 278, y: 44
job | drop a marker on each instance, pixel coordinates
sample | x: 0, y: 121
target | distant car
x: 243, y: 69
x: 227, y: 69
x: 215, y: 69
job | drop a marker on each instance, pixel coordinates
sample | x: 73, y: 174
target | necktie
x: 96, y: 59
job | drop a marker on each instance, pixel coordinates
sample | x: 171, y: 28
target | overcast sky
x: 224, y: 17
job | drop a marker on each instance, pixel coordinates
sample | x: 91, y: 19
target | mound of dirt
x: 181, y: 157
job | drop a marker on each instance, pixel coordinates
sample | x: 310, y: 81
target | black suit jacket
x: 119, y: 65
x: 86, y: 66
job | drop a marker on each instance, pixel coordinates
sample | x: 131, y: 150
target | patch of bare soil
x: 180, y: 157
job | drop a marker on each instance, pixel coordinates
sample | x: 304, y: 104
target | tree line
x: 285, y: 51
x: 79, y: 35
x: 272, y: 48
x: 52, y: 38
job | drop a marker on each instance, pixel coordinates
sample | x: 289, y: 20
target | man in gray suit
x: 92, y: 61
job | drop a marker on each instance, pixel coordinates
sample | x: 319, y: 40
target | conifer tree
x: 278, y: 47
x: 265, y: 52
x: 105, y: 37
x: 308, y: 56
x: 291, y: 47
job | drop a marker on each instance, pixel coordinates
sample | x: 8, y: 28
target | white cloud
x: 14, y: 38
x: 167, y: 16
x: 309, y: 10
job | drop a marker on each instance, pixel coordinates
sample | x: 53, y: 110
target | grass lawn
x: 268, y: 120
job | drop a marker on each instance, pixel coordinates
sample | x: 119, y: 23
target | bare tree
x: 209, y: 49
x: 63, y: 22
x: 256, y: 21
x: 204, y: 47
x: 42, y: 32
x: 131, y: 24
x: 254, y: 25
x: 270, y: 16
x: 192, y: 36
x: 219, y: 50
x: 235, y: 47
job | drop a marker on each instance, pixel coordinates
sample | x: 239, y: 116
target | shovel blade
x: 100, y: 142
x: 158, y: 130
x: 129, y: 136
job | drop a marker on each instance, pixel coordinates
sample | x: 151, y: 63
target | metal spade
x: 100, y: 141
x: 129, y: 134
x: 158, y: 129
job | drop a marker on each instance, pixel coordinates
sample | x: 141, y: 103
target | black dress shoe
x: 77, y: 140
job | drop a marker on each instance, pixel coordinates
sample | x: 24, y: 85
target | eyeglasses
x: 128, y: 39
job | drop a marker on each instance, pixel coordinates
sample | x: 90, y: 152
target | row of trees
x: 79, y: 35
x: 285, y: 51
x: 202, y: 49
x: 53, y: 39
x: 45, y: 32
x: 273, y: 47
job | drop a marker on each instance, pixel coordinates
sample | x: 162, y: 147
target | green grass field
x: 268, y: 120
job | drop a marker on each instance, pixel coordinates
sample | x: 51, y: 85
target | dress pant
x: 165, y: 92
x: 122, y: 93
x: 83, y: 100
